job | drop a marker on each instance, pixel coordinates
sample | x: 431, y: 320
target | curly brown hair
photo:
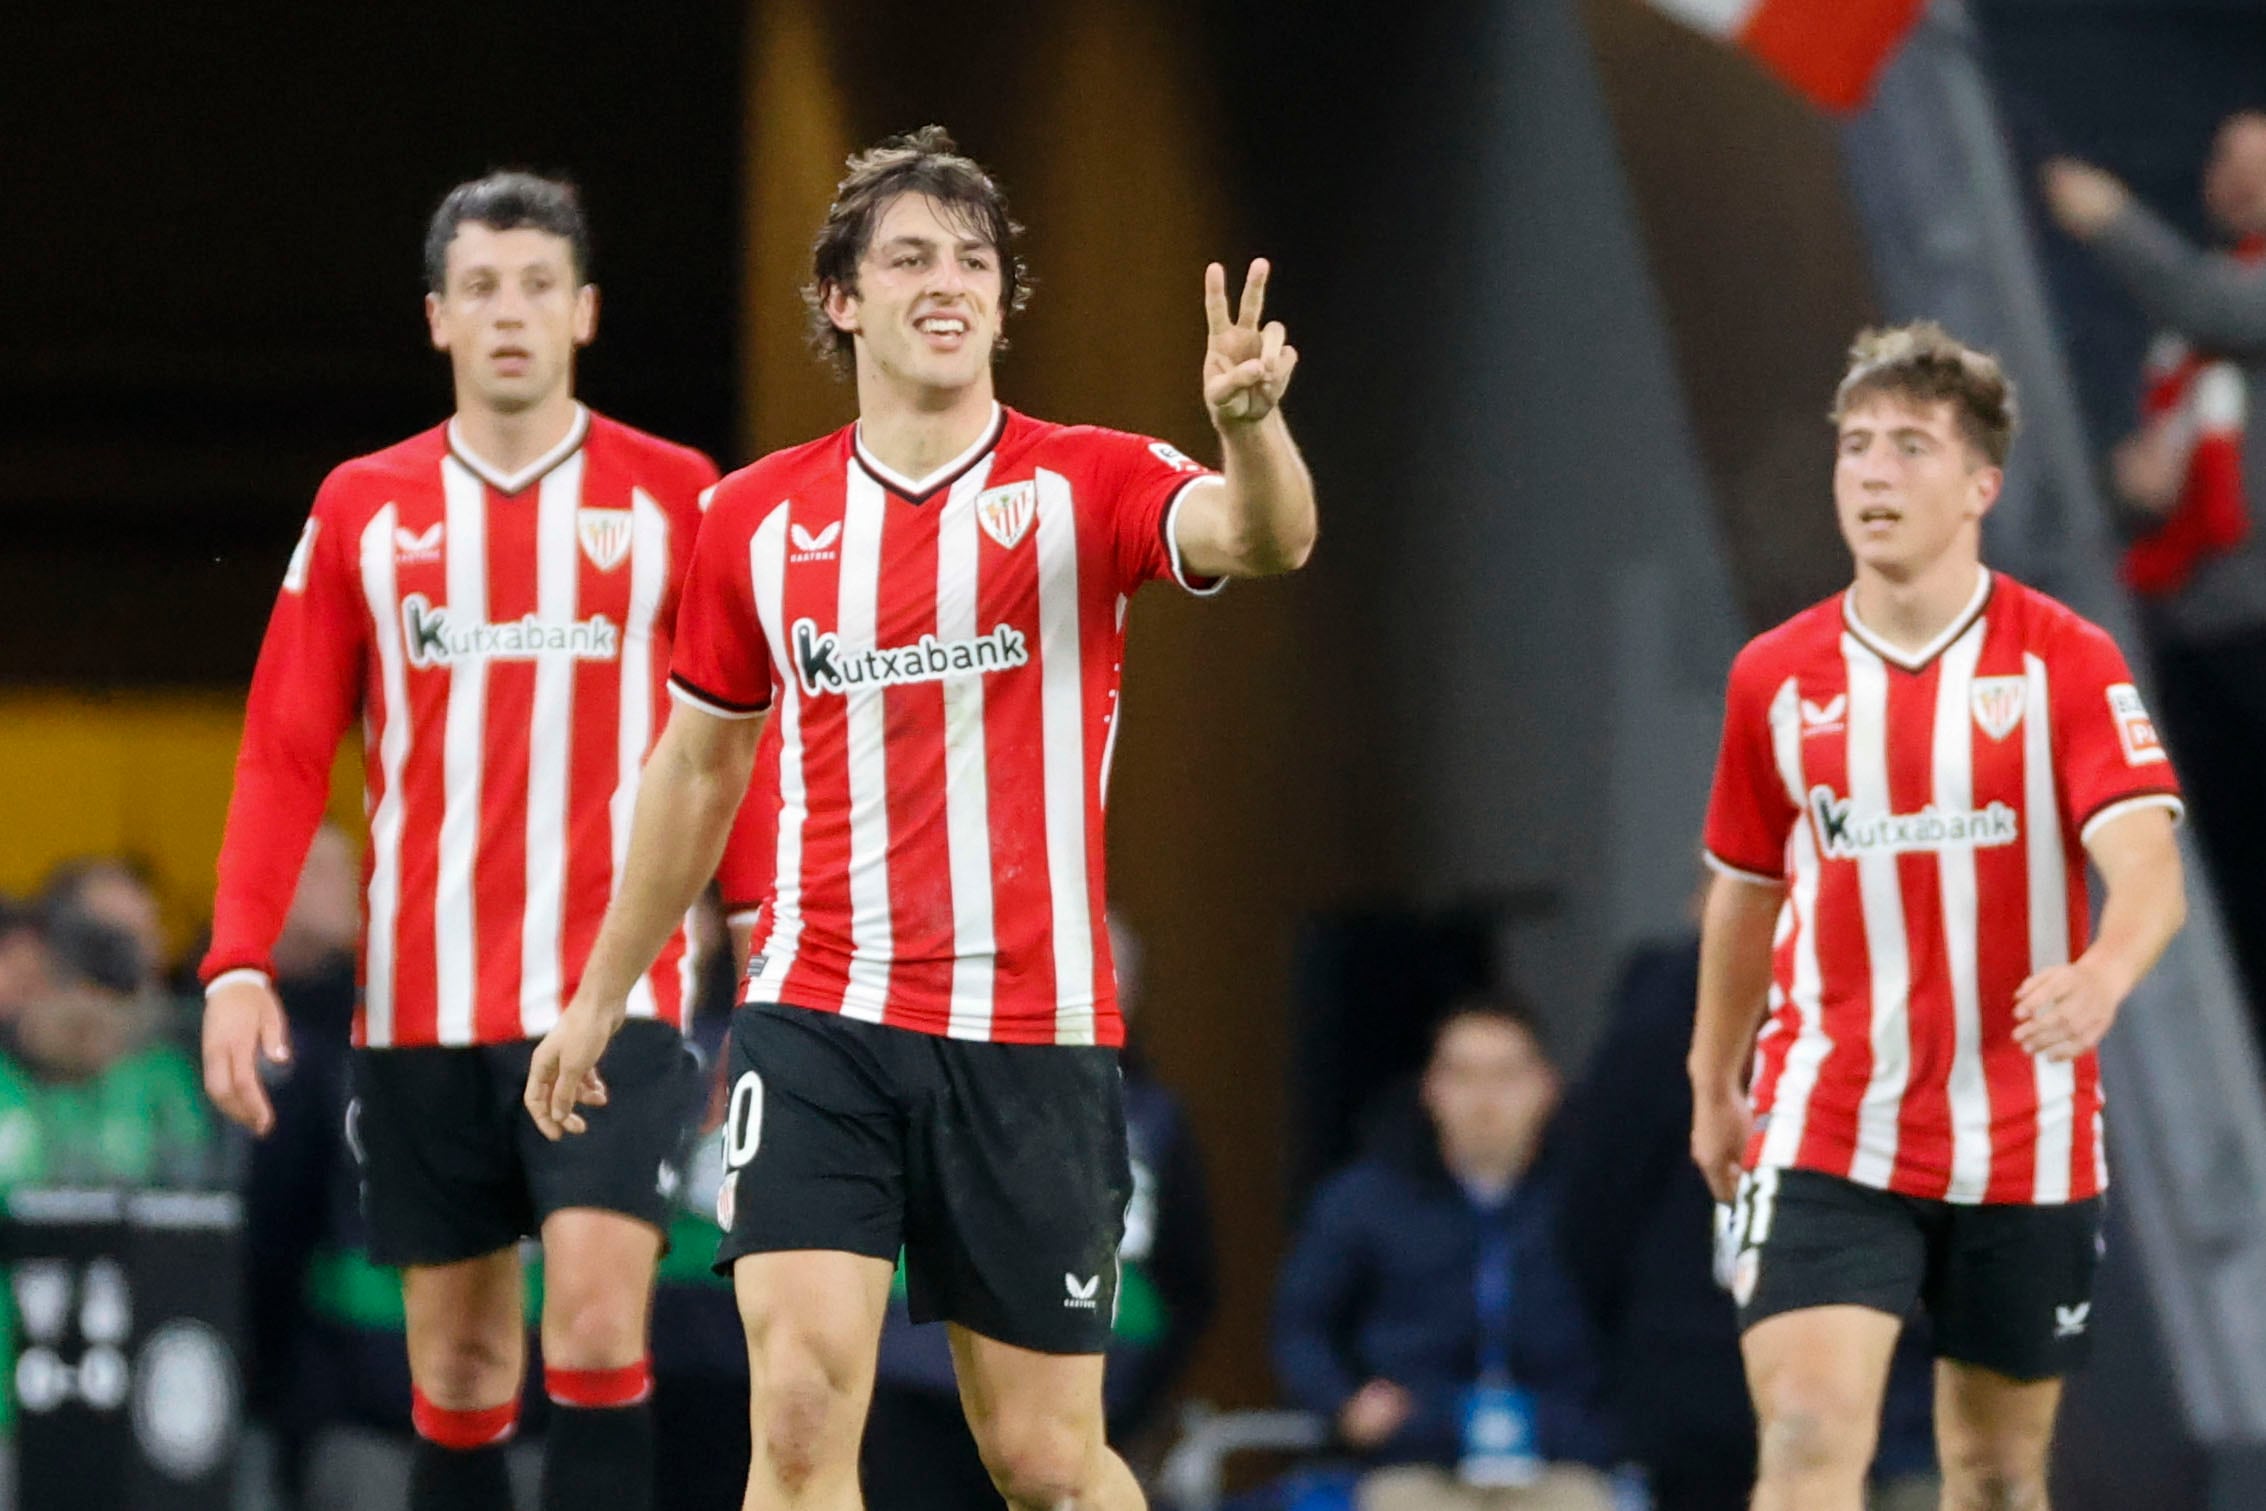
x: 919, y: 162
x: 1924, y: 363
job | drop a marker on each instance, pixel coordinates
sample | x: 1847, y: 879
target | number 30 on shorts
x: 743, y: 1120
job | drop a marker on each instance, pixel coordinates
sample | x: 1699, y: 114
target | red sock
x: 597, y: 1389
x: 461, y: 1430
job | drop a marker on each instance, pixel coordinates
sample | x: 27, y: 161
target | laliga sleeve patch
x: 2136, y: 732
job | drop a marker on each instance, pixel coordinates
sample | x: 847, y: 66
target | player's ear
x: 841, y: 305
x: 586, y: 314
x: 433, y: 324
x: 1989, y: 482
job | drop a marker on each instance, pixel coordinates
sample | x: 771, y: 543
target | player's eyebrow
x: 915, y: 240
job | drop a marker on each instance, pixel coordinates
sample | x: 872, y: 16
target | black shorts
x: 453, y: 1167
x: 2009, y: 1288
x: 1000, y: 1170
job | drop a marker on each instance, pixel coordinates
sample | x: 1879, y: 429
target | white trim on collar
x: 1913, y: 661
x: 906, y: 487
x: 518, y: 482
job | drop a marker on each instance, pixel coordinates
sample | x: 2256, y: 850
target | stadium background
x: 1568, y: 282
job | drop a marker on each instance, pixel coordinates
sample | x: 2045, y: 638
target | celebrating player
x: 495, y: 599
x: 1913, y: 775
x: 934, y: 598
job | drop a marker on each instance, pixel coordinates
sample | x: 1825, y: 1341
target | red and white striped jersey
x: 944, y: 654
x: 1927, y: 815
x: 505, y: 641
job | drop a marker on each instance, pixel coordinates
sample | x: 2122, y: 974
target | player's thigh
x: 1824, y: 1272
x: 813, y: 1323
x: 1027, y: 1407
x: 440, y: 1165
x: 2011, y: 1289
x: 1017, y: 1182
x: 814, y: 1156
x: 1991, y: 1428
x: 466, y: 1329
x: 597, y: 1287
x: 630, y: 1158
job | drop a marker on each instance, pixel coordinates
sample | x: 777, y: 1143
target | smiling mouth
x: 942, y: 327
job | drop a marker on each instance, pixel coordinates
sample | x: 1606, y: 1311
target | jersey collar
x: 508, y: 483
x: 1915, y: 661
x: 920, y: 491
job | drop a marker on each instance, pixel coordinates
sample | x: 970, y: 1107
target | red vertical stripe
x: 1923, y: 1141
x: 813, y: 592
x: 424, y: 788
x: 2002, y: 933
x: 1015, y: 771
x: 1829, y: 1130
x: 499, y: 876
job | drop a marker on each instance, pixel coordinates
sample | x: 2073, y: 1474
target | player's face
x: 926, y: 310
x: 2234, y: 181
x: 1489, y: 1090
x: 1907, y: 486
x: 511, y: 315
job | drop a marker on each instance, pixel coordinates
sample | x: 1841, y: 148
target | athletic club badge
x: 1997, y: 702
x: 728, y: 1200
x: 605, y: 535
x: 1006, y: 513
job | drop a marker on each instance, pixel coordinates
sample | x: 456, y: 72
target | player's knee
x: 1813, y: 1427
x: 1040, y: 1463
x: 595, y: 1328
x: 1993, y: 1473
x: 466, y: 1372
x: 804, y: 1422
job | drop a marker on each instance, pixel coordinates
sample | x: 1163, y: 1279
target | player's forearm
x: 1734, y: 981
x: 2147, y: 904
x: 691, y: 790
x: 1270, y: 497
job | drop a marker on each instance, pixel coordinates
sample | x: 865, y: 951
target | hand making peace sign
x: 1246, y: 366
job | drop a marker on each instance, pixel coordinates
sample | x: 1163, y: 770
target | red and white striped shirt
x: 505, y: 641
x: 1927, y: 815
x: 944, y: 654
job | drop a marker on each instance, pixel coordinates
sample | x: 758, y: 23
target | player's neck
x: 1909, y: 613
x: 913, y: 438
x: 507, y: 441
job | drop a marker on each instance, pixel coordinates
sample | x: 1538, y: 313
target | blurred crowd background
x: 1403, y: 848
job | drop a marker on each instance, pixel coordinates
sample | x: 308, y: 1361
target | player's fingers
x: 1271, y: 344
x: 593, y: 1090
x: 1254, y: 294
x: 1215, y: 298
x: 275, y: 1037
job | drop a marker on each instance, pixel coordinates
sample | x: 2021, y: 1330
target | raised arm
x: 2212, y: 300
x: 1258, y: 518
x: 692, y: 788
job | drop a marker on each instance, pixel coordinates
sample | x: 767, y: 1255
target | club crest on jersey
x: 2136, y: 732
x: 1826, y: 717
x: 605, y: 535
x: 1846, y: 834
x: 413, y: 546
x: 822, y: 665
x: 1997, y: 702
x: 1006, y: 513
x: 810, y: 547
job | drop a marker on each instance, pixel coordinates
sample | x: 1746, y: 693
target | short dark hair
x: 507, y: 200
x: 1923, y: 363
x: 923, y: 162
x: 1498, y: 1007
x: 81, y: 948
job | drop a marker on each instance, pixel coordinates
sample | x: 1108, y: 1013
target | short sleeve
x: 1146, y: 481
x: 2104, y: 741
x: 1749, y: 813
x: 721, y: 664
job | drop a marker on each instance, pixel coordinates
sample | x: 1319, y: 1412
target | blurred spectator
x: 120, y: 894
x: 1425, y: 1309
x: 23, y: 958
x: 2192, y: 478
x: 1635, y: 1223
x: 919, y: 1454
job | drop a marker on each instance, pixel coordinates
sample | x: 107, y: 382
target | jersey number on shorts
x: 743, y: 1120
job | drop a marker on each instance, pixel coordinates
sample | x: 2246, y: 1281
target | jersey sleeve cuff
x: 2119, y: 807
x: 236, y: 974
x: 1202, y: 587
x: 748, y: 914
x: 1722, y: 867
x: 708, y: 703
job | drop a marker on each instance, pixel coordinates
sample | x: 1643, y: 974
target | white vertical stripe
x: 2049, y: 925
x: 1798, y: 1076
x: 1969, y: 1090
x: 767, y: 567
x: 550, y: 745
x: 873, y: 937
x: 1883, y: 905
x: 648, y: 585
x: 391, y: 742
x: 1063, y: 719
x: 456, y: 940
x: 967, y: 794
x: 1116, y: 712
